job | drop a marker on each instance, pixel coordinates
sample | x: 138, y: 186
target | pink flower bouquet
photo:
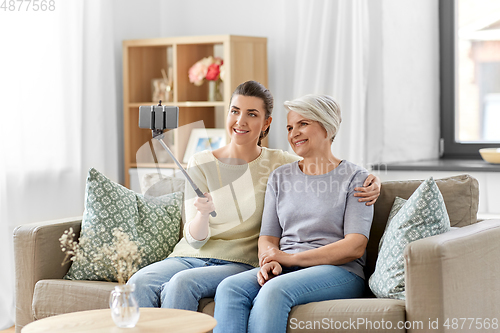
x: 208, y: 68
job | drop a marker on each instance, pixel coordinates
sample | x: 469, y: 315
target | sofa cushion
x: 157, y: 184
x: 348, y: 315
x: 153, y: 223
x: 368, y: 314
x: 53, y: 297
x: 207, y: 305
x: 460, y: 194
x: 423, y: 215
x: 396, y: 207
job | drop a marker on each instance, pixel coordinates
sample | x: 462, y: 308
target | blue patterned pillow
x: 153, y: 223
x: 423, y: 215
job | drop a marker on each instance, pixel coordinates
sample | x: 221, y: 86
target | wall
x: 403, y: 88
x: 236, y: 17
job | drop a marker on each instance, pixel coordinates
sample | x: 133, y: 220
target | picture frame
x: 203, y: 139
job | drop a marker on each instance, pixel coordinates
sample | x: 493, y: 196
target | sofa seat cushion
x: 53, y: 297
x: 348, y: 315
x: 390, y: 312
x: 207, y: 305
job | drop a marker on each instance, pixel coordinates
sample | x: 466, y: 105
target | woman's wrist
x: 295, y: 259
x: 199, y: 227
x: 195, y: 242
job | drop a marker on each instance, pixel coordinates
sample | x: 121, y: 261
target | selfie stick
x: 158, y: 135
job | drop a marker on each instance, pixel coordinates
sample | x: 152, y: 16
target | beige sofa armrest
x: 37, y: 256
x: 454, y: 275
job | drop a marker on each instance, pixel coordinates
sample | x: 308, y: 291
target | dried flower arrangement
x: 122, y: 257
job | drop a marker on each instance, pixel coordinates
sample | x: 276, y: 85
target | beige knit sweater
x: 238, y: 195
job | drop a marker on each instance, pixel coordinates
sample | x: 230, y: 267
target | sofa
x: 449, y: 276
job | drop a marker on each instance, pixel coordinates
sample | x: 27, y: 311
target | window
x: 470, y: 76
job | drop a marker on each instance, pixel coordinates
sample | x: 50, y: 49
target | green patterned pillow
x: 396, y: 207
x: 153, y: 223
x: 423, y: 215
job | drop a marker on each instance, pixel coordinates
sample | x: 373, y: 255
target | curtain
x: 326, y: 44
x: 59, y: 117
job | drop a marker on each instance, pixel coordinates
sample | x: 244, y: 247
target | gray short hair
x: 320, y: 108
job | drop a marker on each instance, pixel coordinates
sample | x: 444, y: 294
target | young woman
x: 234, y: 180
x: 314, y: 231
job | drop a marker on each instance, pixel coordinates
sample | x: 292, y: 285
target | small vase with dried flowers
x: 123, y: 257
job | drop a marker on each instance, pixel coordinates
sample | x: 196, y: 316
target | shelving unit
x: 245, y: 58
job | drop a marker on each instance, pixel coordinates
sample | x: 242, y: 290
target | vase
x: 124, y: 307
x: 214, y: 93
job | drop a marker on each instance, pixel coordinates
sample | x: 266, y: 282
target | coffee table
x: 99, y: 321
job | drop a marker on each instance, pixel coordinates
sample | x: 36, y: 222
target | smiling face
x: 246, y: 120
x: 306, y: 137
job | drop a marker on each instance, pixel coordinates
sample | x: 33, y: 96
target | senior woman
x: 314, y: 231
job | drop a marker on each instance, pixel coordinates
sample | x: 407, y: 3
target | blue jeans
x: 242, y: 305
x: 179, y: 283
